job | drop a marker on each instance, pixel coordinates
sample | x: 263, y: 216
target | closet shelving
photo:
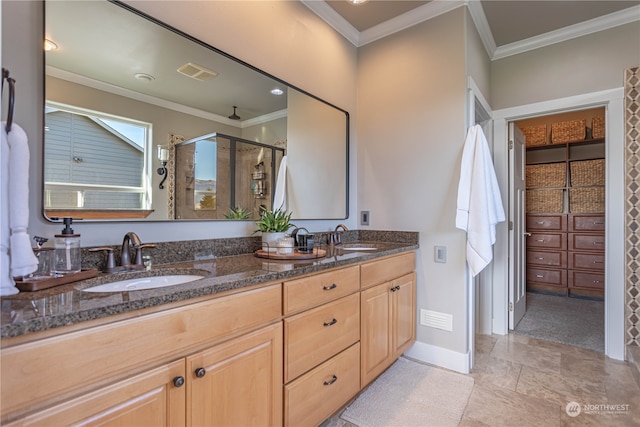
x: 565, y: 217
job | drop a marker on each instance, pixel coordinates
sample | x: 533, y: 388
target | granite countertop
x: 64, y: 305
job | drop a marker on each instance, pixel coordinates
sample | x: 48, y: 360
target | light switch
x: 440, y: 254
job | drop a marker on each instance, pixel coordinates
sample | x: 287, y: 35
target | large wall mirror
x: 144, y: 122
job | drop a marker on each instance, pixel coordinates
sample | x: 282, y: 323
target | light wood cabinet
x: 238, y: 383
x: 388, y: 325
x: 154, y: 398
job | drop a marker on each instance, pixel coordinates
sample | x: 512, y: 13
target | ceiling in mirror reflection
x: 110, y: 55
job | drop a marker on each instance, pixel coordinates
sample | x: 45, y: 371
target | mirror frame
x: 138, y: 217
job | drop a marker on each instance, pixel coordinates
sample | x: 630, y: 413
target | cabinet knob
x: 333, y: 322
x: 178, y: 381
x: 328, y: 288
x: 200, y: 372
x: 331, y: 381
x: 395, y: 289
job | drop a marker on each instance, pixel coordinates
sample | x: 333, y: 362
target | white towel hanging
x: 479, y: 201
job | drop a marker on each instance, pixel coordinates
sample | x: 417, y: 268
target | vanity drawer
x: 554, y: 277
x: 387, y: 269
x: 314, y: 290
x: 313, y: 397
x: 579, y: 279
x: 586, y: 261
x: 314, y: 336
x: 547, y: 222
x: 547, y: 258
x: 586, y: 242
x: 547, y: 241
x: 586, y: 222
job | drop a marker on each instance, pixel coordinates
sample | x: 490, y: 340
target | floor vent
x: 197, y: 72
x: 436, y: 320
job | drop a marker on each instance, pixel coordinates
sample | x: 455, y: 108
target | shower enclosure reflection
x: 219, y: 176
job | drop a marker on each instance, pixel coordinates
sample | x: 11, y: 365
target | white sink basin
x: 144, y: 283
x: 358, y: 247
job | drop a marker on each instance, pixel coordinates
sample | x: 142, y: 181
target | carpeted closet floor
x: 572, y: 321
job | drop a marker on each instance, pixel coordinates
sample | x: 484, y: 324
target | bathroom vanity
x: 259, y: 343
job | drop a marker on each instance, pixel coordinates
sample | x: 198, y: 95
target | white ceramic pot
x: 270, y: 241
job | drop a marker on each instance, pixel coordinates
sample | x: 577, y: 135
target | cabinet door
x: 237, y: 383
x: 376, y: 332
x: 148, y: 399
x: 404, y: 313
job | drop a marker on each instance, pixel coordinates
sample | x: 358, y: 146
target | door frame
x: 613, y: 101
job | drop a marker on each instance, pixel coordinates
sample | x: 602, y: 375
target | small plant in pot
x: 273, y: 224
x: 238, y: 213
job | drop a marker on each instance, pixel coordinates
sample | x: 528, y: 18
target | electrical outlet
x: 364, y: 217
x: 440, y: 254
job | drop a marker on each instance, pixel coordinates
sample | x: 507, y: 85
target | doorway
x: 612, y: 101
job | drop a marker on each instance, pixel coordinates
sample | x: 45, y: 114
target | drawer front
x: 547, y: 258
x: 586, y: 242
x: 547, y: 241
x: 387, y: 269
x: 312, y: 398
x: 554, y: 277
x: 316, y: 335
x: 578, y: 279
x: 547, y: 222
x: 586, y: 222
x: 316, y: 290
x: 586, y: 261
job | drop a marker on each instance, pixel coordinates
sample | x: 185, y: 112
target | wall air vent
x: 197, y: 72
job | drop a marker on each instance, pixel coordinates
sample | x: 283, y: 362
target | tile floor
x: 522, y: 381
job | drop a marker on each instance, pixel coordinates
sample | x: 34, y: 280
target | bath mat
x: 411, y: 394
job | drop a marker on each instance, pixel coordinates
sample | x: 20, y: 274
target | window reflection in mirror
x: 94, y: 161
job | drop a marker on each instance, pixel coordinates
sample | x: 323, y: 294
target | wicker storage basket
x: 535, y: 135
x: 587, y: 173
x: 546, y: 176
x: 597, y: 127
x: 545, y: 201
x: 572, y: 130
x: 586, y: 200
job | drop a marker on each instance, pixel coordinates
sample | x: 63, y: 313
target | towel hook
x: 12, y: 97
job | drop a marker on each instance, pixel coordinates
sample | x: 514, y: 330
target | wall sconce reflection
x: 163, y: 156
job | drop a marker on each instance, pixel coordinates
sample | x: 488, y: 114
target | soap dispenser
x: 67, y: 250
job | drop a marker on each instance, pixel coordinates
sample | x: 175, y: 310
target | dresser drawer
x: 586, y: 261
x: 546, y: 223
x: 578, y: 279
x: 547, y: 258
x: 547, y: 241
x: 586, y: 242
x: 313, y: 397
x: 554, y: 277
x: 314, y: 336
x: 315, y: 290
x: 586, y: 223
x: 387, y: 269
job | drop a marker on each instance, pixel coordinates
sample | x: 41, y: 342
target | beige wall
x: 587, y: 64
x: 411, y: 129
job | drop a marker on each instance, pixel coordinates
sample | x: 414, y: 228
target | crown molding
x: 435, y: 8
x: 591, y: 26
x: 408, y: 19
x: 334, y: 19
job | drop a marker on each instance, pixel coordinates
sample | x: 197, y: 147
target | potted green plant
x: 273, y: 224
x: 238, y: 213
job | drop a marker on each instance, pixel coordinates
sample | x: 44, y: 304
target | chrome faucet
x: 335, y: 238
x: 129, y: 238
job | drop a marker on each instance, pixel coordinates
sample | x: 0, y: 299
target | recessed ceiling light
x: 144, y: 77
x: 356, y: 1
x: 277, y: 91
x: 49, y: 45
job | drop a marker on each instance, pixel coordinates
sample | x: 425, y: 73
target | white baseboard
x: 439, y: 356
